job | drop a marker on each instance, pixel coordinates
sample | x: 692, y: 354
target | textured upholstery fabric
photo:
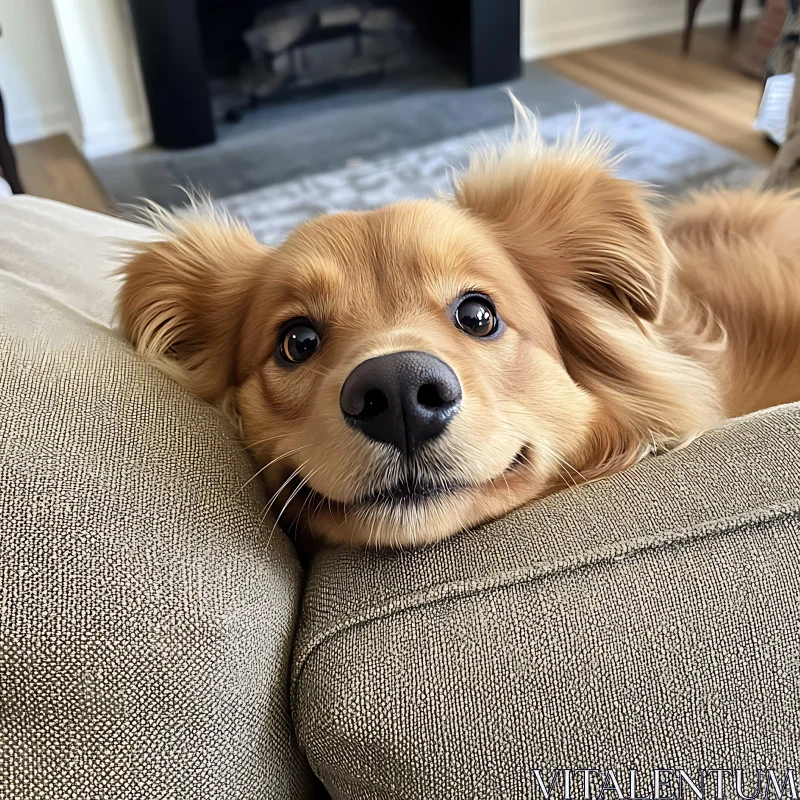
x: 146, y: 615
x: 64, y: 253
x: 648, y: 620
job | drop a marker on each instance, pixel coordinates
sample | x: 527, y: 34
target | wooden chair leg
x: 8, y: 164
x: 691, y: 11
x: 736, y: 15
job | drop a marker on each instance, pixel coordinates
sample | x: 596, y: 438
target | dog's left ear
x: 568, y: 222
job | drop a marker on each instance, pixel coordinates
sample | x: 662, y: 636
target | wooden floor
x: 702, y: 91
x: 54, y: 168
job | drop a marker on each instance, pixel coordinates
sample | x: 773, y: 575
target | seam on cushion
x: 537, y: 570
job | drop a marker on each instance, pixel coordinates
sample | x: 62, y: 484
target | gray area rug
x: 670, y: 158
x: 283, y: 141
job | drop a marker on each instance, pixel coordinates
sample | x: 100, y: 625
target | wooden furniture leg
x: 736, y: 15
x: 691, y: 12
x: 8, y: 163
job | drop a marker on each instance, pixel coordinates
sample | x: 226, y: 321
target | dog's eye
x: 476, y: 316
x: 300, y: 342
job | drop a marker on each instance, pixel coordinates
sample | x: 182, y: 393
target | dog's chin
x: 422, y: 512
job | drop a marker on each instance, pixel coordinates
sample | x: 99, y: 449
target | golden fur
x: 624, y: 334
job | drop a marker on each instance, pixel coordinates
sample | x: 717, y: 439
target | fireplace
x: 209, y: 59
x: 288, y: 48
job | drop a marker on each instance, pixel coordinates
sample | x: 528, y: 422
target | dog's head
x: 404, y: 373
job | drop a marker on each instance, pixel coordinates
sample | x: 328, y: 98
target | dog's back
x: 739, y: 254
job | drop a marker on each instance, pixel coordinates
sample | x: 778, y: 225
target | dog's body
x: 739, y: 255
x: 403, y: 373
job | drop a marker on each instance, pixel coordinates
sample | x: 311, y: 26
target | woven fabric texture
x: 146, y: 614
x: 648, y: 620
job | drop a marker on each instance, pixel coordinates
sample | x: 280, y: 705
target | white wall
x: 33, y: 73
x: 550, y: 27
x: 72, y: 65
x: 100, y: 49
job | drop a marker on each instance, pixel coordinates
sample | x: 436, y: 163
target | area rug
x: 671, y: 159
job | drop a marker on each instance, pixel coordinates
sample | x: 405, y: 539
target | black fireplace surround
x: 480, y: 37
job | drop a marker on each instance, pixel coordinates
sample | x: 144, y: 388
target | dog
x: 406, y: 373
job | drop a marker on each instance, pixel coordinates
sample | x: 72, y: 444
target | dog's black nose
x: 404, y: 399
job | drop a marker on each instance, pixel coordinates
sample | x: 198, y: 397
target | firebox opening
x: 258, y: 51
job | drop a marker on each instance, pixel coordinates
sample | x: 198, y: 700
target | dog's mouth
x: 404, y: 501
x: 408, y: 494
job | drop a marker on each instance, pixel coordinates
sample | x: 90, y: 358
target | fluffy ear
x: 566, y: 220
x: 185, y: 296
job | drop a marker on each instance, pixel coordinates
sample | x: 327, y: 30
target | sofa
x: 157, y: 640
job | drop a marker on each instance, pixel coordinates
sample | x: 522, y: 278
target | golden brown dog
x: 404, y: 373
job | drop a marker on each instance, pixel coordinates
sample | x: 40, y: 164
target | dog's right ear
x: 185, y: 296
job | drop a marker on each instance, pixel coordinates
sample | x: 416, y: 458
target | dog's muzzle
x: 404, y: 399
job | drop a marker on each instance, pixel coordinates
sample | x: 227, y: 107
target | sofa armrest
x: 646, y: 620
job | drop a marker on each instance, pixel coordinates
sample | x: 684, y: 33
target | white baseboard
x: 38, y: 125
x: 550, y: 38
x: 117, y: 137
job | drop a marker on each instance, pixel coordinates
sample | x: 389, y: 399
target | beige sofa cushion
x: 146, y: 615
x: 648, y: 620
